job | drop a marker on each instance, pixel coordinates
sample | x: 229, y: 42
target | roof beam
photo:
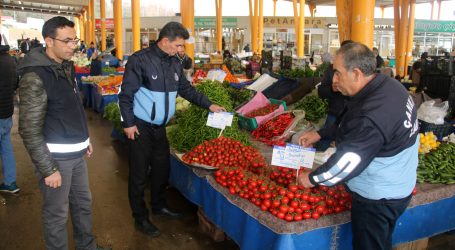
x: 76, y: 3
x: 30, y: 8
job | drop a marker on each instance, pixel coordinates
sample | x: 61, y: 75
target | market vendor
x: 377, y: 147
x: 153, y: 78
x: 185, y: 60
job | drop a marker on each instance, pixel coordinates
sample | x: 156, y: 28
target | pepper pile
x: 226, y: 153
x: 290, y: 203
x: 229, y: 77
x: 199, y: 75
x: 438, y: 166
x: 272, y: 128
x: 315, y: 108
x: 262, y: 111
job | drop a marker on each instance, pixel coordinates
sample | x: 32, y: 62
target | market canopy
x: 379, y: 3
x: 56, y: 7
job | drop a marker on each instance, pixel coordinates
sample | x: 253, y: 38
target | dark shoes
x: 147, y: 227
x: 167, y: 213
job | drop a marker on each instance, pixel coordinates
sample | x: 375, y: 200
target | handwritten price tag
x: 220, y: 120
x: 293, y: 156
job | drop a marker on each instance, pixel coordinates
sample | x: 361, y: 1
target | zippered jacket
x: 150, y: 86
x: 52, y: 120
x: 8, y: 82
x: 377, y: 143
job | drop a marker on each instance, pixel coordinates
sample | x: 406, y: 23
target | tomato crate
x: 251, y: 124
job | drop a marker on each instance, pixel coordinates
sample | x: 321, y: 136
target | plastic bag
x: 433, y: 113
x: 298, y: 123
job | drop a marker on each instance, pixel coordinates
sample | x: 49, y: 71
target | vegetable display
x: 109, y: 70
x: 229, y: 77
x: 198, y: 76
x: 191, y: 129
x: 315, y: 107
x: 225, y: 152
x: 112, y: 114
x: 297, y: 72
x: 269, y: 108
x: 238, y: 96
x: 438, y: 166
x: 273, y: 128
x: 428, y: 142
x: 321, y: 69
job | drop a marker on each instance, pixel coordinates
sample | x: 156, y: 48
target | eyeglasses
x: 72, y: 42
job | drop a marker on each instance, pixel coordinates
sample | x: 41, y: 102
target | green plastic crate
x: 250, y: 123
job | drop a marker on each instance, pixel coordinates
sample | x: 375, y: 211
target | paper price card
x: 303, y: 157
x: 279, y: 159
x: 220, y: 120
x: 293, y: 156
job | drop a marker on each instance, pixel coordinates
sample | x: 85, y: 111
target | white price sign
x: 220, y: 120
x: 293, y: 156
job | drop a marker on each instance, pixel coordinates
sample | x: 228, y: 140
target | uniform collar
x: 370, y: 87
x: 159, y: 51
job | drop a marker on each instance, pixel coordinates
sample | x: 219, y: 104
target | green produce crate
x: 250, y: 124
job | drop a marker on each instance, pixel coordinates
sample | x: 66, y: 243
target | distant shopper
x: 186, y: 61
x: 54, y: 130
x: 379, y: 60
x: 247, y: 48
x: 91, y: 50
x: 8, y: 84
x: 95, y: 65
x: 82, y: 47
x: 417, y: 69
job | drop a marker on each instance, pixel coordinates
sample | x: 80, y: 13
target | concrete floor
x: 20, y: 218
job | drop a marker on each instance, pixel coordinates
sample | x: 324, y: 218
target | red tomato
x: 289, y: 217
x: 294, y: 203
x: 280, y: 215
x: 315, y: 215
x: 298, y: 217
x: 293, y: 188
x: 307, y: 215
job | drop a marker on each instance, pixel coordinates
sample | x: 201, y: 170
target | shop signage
x: 288, y: 22
x: 109, y: 23
x: 434, y: 26
x: 210, y: 22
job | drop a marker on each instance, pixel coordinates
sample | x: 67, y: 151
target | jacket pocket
x: 153, y: 114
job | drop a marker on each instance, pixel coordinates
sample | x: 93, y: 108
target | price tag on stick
x: 220, y: 120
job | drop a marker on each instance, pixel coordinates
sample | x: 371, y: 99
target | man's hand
x: 89, y: 150
x: 130, y: 132
x: 304, y: 179
x: 54, y: 180
x: 215, y: 108
x: 309, y: 138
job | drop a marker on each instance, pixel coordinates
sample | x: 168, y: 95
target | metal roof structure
x: 379, y: 3
x: 56, y: 7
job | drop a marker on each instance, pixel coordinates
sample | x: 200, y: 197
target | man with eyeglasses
x: 54, y: 129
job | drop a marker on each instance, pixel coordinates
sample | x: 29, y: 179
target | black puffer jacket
x: 8, y: 82
x: 52, y: 120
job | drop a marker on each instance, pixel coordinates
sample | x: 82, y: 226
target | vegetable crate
x: 250, y: 123
x: 439, y: 130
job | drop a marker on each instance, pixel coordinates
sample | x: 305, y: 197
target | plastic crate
x: 439, y: 130
x: 250, y: 123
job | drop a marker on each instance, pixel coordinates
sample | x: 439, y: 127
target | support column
x: 103, y: 24
x: 82, y: 27
x: 344, y: 13
x: 255, y: 26
x: 296, y: 24
x: 403, y: 35
x: 301, y: 45
x: 89, y: 24
x: 312, y: 7
x: 410, y: 36
x: 252, y: 28
x: 136, y: 25
x: 382, y: 11
x: 432, y: 10
x: 187, y: 12
x: 76, y: 26
x: 439, y: 9
x: 274, y: 8
x: 363, y: 21
x: 261, y: 27
x: 219, y: 25
x: 118, y: 28
x: 85, y: 22
x: 92, y: 22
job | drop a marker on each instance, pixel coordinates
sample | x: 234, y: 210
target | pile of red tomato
x: 291, y: 202
x: 199, y: 75
x: 226, y: 153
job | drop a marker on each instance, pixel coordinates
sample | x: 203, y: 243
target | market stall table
x: 429, y: 213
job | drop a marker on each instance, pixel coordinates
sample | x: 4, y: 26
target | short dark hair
x: 50, y: 26
x: 357, y: 55
x: 173, y: 30
x: 346, y: 42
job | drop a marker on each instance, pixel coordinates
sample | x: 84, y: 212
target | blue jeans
x: 6, y: 151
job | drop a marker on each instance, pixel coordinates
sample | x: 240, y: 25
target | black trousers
x: 151, y: 148
x: 373, y: 221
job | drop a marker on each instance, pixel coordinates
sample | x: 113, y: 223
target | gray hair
x: 357, y: 55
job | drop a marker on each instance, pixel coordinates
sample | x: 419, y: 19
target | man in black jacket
x: 153, y: 78
x: 54, y: 129
x: 8, y: 84
x: 377, y: 147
